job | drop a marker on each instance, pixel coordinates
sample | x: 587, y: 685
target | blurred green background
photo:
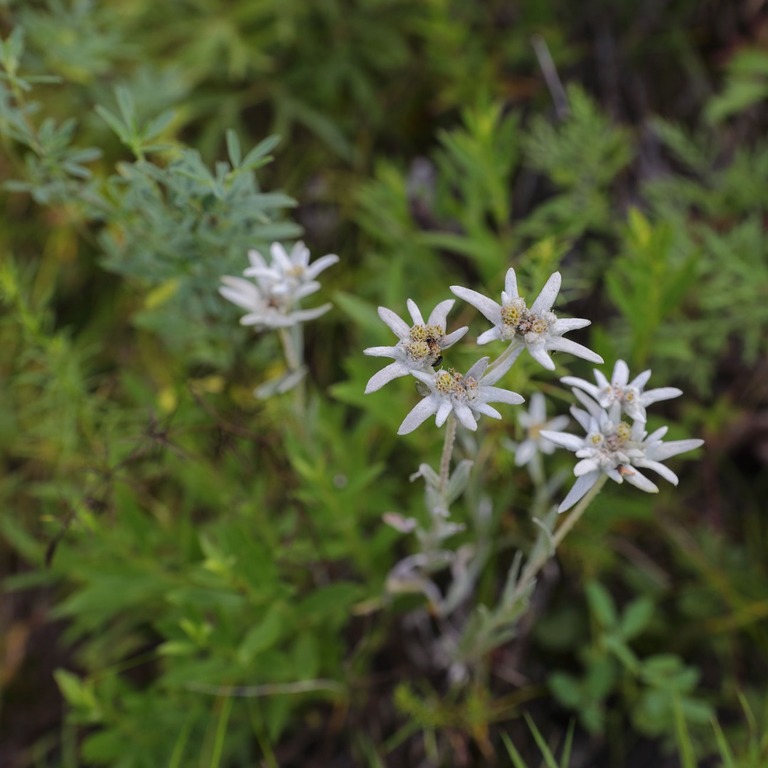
x: 194, y: 577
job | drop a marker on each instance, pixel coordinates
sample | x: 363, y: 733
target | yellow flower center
x: 425, y: 343
x: 517, y: 318
x: 451, y: 383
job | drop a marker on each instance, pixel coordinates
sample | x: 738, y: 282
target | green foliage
x: 746, y: 85
x: 211, y: 566
x: 648, y: 283
x: 546, y: 752
x: 654, y: 686
x: 582, y: 157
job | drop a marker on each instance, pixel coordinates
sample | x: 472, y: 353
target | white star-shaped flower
x: 288, y: 273
x: 619, y: 391
x: 265, y: 308
x: 465, y: 396
x: 420, y: 346
x: 616, y: 449
x: 534, y: 420
x: 271, y: 299
x: 537, y: 327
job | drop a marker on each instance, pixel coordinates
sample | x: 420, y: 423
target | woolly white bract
x: 467, y: 397
x: 619, y: 395
x: 419, y: 347
x: 617, y: 450
x: 289, y: 273
x: 272, y: 298
x: 537, y: 327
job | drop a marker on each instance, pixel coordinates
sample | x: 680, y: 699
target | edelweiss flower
x: 616, y: 449
x: 534, y: 420
x: 272, y: 298
x: 629, y: 397
x: 536, y: 327
x: 466, y: 396
x: 420, y: 346
x: 290, y: 274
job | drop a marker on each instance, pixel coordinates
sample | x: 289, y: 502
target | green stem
x: 533, y: 567
x: 292, y: 341
x: 445, y: 459
x: 290, y: 350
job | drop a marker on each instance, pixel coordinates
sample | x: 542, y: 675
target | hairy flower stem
x: 533, y: 567
x: 291, y: 348
x: 292, y: 341
x: 445, y: 459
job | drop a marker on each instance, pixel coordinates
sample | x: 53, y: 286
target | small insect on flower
x: 420, y: 346
x: 467, y: 396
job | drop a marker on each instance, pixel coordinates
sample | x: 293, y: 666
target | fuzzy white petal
x: 499, y: 395
x: 639, y: 480
x: 490, y: 335
x: 443, y: 411
x: 489, y: 308
x: 573, y: 381
x: 620, y: 375
x: 385, y: 375
x: 540, y: 355
x: 418, y: 415
x: 439, y: 315
x: 486, y: 409
x: 546, y: 298
x: 381, y: 351
x: 641, y: 380
x: 673, y: 448
x: 659, y: 468
x: 313, y: 270
x: 280, y: 257
x: 564, y: 439
x: 579, y: 490
x: 510, y: 284
x: 572, y: 348
x: 398, y: 326
x: 415, y: 312
x: 569, y: 324
x: 241, y: 292
x: 464, y: 415
x: 661, y: 393
x: 450, y: 339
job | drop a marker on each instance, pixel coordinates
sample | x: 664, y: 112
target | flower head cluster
x: 619, y: 395
x: 420, y: 346
x: 466, y: 396
x: 612, y: 446
x: 535, y: 328
x: 271, y: 299
x: 419, y: 352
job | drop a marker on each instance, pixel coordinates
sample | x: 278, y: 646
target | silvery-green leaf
x: 459, y: 479
x: 280, y: 385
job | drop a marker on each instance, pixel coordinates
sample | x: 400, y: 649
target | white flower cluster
x: 612, y: 446
x: 271, y: 299
x: 419, y: 352
x: 536, y: 329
